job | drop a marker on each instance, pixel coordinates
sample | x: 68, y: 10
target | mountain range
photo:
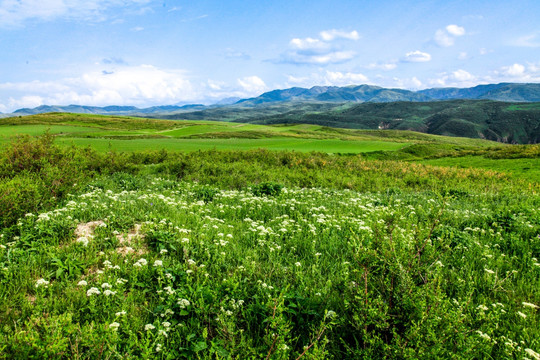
x: 510, y: 92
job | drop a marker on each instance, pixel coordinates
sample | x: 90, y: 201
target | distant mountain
x: 107, y: 110
x: 360, y: 93
x: 278, y: 101
x: 501, y: 92
x: 368, y: 93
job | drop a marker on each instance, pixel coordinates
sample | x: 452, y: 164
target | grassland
x: 130, y: 134
x: 265, y: 254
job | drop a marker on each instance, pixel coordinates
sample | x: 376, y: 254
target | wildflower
x: 158, y: 263
x: 297, y: 264
x: 191, y: 262
x: 148, y: 327
x: 82, y: 283
x: 42, y: 282
x: 489, y: 271
x: 93, y: 291
x: 532, y: 353
x: 183, y: 303
x: 141, y: 262
x: 121, y: 313
x: 169, y: 290
x: 109, y: 292
x: 106, y: 286
x: 162, y: 332
x: 83, y: 240
x: 526, y: 304
x: 522, y: 314
x: 158, y: 347
x: 121, y: 281
x: 318, y: 254
x: 483, y: 336
x: 166, y: 324
x: 163, y: 251
x: 114, y: 326
x: 482, y: 307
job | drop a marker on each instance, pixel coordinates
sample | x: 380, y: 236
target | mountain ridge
x: 510, y: 92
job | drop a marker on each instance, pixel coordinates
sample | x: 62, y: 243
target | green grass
x: 305, y: 145
x: 263, y: 255
x: 524, y: 168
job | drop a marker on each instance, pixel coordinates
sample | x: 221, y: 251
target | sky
x: 158, y: 52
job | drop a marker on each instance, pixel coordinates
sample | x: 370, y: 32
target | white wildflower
x: 106, y: 286
x: 114, y: 326
x: 121, y: 313
x: 526, y: 304
x: 109, y: 292
x: 148, y: 327
x: 158, y: 263
x: 163, y: 251
x: 297, y: 264
x: 522, y: 314
x: 93, y: 291
x: 183, y: 303
x: 42, y: 282
x: 533, y: 353
x: 82, y: 283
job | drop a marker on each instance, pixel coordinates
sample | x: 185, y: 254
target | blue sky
x: 146, y: 52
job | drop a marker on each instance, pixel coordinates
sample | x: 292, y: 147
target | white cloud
x: 516, y: 73
x: 514, y: 70
x: 327, y: 78
x: 310, y: 45
x: 458, y: 78
x: 442, y: 38
x: 463, y: 56
x: 319, y: 51
x: 143, y: 85
x: 416, y: 56
x: 455, y: 30
x: 330, y: 35
x: 16, y: 12
x: 252, y: 85
x: 462, y: 75
x: 447, y: 37
x: 339, y: 78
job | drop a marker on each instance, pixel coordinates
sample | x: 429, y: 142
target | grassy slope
x: 129, y: 134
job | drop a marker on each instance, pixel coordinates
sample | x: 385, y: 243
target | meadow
x: 265, y: 254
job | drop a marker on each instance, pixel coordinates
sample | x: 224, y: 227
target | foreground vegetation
x: 262, y: 254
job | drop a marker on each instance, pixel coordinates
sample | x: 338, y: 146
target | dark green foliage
x: 266, y: 189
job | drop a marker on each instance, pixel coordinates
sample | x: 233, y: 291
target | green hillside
x: 485, y: 119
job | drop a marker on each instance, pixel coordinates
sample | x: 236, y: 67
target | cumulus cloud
x: 15, y: 13
x: 416, y: 56
x: 457, y: 78
x: 521, y: 73
x: 446, y: 37
x: 252, y: 85
x: 455, y: 30
x: 327, y: 49
x: 141, y: 86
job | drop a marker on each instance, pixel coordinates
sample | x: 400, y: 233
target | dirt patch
x: 133, y: 238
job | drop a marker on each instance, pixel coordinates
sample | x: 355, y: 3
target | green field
x: 259, y: 254
x: 524, y: 168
